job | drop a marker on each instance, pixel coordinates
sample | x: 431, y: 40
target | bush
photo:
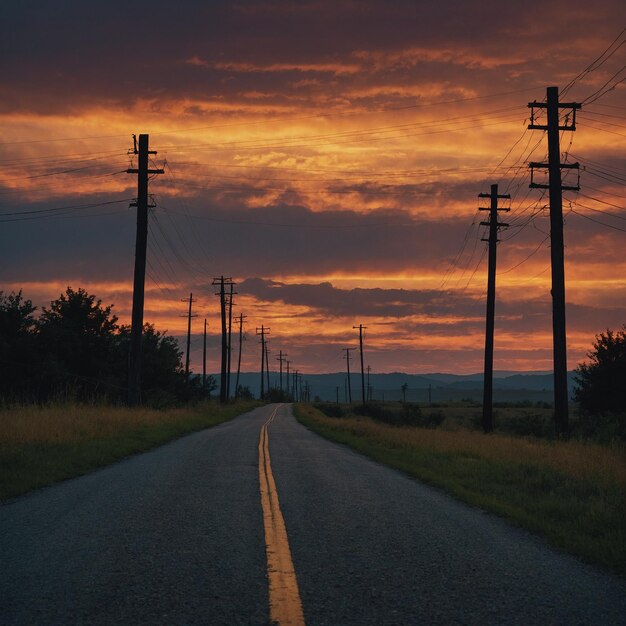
x: 432, y: 419
x: 330, y: 409
x: 402, y: 414
x: 604, y: 428
x: 530, y: 425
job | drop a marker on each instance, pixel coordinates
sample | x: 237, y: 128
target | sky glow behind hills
x: 327, y: 156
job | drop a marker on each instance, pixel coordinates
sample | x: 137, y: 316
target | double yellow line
x: 284, y: 596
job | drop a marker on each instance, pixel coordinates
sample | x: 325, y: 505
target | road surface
x: 259, y: 519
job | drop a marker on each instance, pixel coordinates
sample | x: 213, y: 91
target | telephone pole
x: 204, y: 356
x: 222, y: 282
x: 267, y: 366
x: 348, y: 357
x: 555, y: 186
x: 369, y: 389
x: 287, y: 382
x: 262, y: 332
x: 242, y: 317
x: 139, y: 279
x: 188, y: 316
x: 295, y: 385
x: 494, y: 225
x: 230, y: 328
x: 281, y: 358
x: 361, y: 328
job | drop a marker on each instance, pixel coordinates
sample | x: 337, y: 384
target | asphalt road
x: 175, y: 536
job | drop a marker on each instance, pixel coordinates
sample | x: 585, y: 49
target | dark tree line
x: 76, y: 349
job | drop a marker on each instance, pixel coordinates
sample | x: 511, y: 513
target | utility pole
x: 267, y: 366
x: 230, y: 328
x: 262, y: 331
x: 554, y: 166
x: 242, y: 317
x: 295, y: 385
x: 280, y: 358
x: 139, y: 279
x: 369, y: 389
x: 222, y: 282
x: 361, y: 328
x: 288, y: 363
x: 188, y: 316
x: 494, y: 225
x: 204, y: 356
x: 348, y: 357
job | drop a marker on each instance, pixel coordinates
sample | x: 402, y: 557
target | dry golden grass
x: 72, y: 423
x: 574, y: 458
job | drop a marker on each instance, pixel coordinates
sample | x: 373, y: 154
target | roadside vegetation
x: 63, y: 384
x: 571, y: 492
x: 41, y: 445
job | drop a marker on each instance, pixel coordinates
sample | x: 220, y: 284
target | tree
x: 19, y: 362
x: 162, y: 373
x: 601, y: 382
x: 404, y: 388
x: 79, y: 336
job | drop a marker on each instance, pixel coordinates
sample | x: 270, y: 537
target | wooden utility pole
x: 262, y: 332
x: 369, y: 389
x: 267, y: 366
x: 348, y: 357
x: 494, y: 225
x: 288, y: 364
x: 188, y: 316
x: 204, y: 356
x: 222, y: 282
x: 139, y: 279
x: 554, y: 166
x: 281, y: 358
x: 295, y: 385
x: 361, y: 328
x: 242, y: 317
x: 230, y: 328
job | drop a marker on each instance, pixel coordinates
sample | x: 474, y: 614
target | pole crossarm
x: 567, y: 166
x: 574, y: 106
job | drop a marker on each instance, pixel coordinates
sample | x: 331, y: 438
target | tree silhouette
x: 602, y: 381
x: 79, y: 335
x: 20, y: 365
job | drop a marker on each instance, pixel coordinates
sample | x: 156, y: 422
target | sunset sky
x: 327, y: 156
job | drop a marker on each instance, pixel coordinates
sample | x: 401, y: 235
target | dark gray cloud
x: 118, y: 52
x: 515, y: 316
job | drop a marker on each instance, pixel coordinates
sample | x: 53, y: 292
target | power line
x: 281, y: 119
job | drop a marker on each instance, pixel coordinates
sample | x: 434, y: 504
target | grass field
x: 572, y: 493
x: 42, y: 445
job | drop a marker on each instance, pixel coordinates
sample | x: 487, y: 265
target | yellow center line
x: 285, y: 603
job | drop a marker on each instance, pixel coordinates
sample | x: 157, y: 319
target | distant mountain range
x: 508, y: 386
